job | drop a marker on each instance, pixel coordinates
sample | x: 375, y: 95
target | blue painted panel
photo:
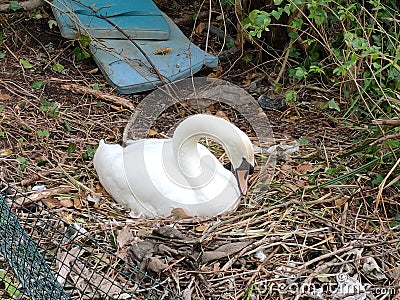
x: 126, y: 68
x: 138, y: 19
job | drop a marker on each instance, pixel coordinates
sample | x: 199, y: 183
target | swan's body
x: 154, y: 176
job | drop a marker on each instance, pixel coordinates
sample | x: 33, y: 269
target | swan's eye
x: 251, y: 170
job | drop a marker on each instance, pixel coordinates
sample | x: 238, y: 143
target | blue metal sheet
x: 138, y: 19
x: 126, y: 68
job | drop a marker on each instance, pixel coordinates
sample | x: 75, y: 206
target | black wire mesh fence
x: 43, y: 257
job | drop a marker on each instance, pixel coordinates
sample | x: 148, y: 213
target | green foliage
x: 89, y: 154
x: 349, y: 46
x: 9, y: 285
x: 52, y: 23
x: 50, y: 108
x: 23, y: 162
x: 71, y: 148
x: 37, y: 85
x: 25, y: 64
x: 227, y: 2
x: 14, y: 5
x: 43, y: 133
x: 81, y: 51
x: 333, y: 105
x: 58, y: 68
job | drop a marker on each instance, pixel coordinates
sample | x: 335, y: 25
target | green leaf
x: 291, y: 96
x: 84, y: 41
x: 89, y: 154
x: 53, y: 111
x: 81, y: 54
x: 23, y: 162
x: 26, y: 64
x: 333, y: 105
x: 377, y: 180
x: 67, y: 126
x: 2, y: 134
x: 297, y: 23
x: 2, y: 55
x: 52, y: 23
x: 303, y: 141
x: 1, y: 108
x: 37, y: 85
x: 248, y: 57
x: 43, y: 133
x: 10, y: 287
x: 293, y: 35
x: 277, y: 14
x: 71, y: 148
x: 96, y: 86
x: 14, y: 5
x: 58, y: 67
x: 45, y: 105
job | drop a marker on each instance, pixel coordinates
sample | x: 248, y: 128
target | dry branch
x: 79, y: 89
x: 386, y: 122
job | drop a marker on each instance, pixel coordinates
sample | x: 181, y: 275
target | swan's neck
x: 191, y: 130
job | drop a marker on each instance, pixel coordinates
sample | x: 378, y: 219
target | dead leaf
x: 39, y: 195
x: 372, y: 270
x: 199, y: 29
x: 77, y: 202
x: 152, y: 132
x: 169, y: 232
x: 340, y: 201
x: 142, y: 250
x: 52, y: 203
x: 125, y: 236
x: 179, y: 213
x: 66, y: 202
x: 154, y: 264
x: 5, y: 96
x: 217, y: 72
x: 223, y: 251
x: 202, y: 228
x: 64, y: 260
x: 162, y: 51
x: 6, y: 152
x: 222, y: 115
x: 250, y: 77
x: 305, y: 167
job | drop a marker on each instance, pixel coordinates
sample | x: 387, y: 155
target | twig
x: 379, y: 197
x: 105, y: 18
x: 261, y: 211
x: 80, y: 89
x: 385, y: 138
x: 37, y: 196
x: 260, y: 266
x: 386, y: 122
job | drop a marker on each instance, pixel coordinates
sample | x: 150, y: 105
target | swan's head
x: 241, y: 155
x: 235, y: 142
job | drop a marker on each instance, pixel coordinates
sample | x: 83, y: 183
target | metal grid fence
x: 43, y: 257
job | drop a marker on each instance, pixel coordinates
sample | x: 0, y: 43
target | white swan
x: 154, y: 176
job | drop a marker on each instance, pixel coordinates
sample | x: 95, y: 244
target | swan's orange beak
x: 242, y: 175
